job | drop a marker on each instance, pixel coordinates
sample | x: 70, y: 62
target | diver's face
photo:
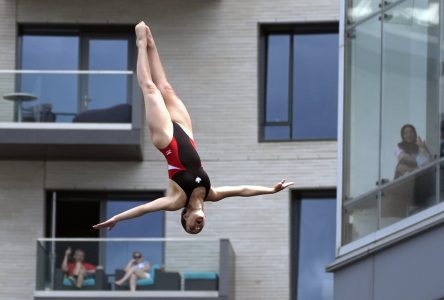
x: 195, y: 221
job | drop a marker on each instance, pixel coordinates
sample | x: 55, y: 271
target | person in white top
x: 135, y: 269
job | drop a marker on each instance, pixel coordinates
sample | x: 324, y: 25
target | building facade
x: 211, y: 50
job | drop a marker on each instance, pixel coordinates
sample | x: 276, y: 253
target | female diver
x: 171, y: 132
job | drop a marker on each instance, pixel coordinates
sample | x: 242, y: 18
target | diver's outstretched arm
x: 222, y: 192
x: 164, y: 203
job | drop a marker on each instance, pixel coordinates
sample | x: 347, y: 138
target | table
x: 18, y: 98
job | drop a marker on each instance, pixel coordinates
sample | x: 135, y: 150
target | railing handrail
x: 102, y: 72
x: 129, y: 239
x: 425, y: 168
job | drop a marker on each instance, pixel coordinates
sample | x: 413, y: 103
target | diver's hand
x: 281, y: 185
x: 107, y: 224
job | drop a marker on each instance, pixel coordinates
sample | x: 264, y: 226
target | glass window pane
x: 51, y: 53
x: 278, y: 64
x: 317, y: 227
x: 315, y: 86
x: 277, y: 132
x: 108, y: 54
x: 360, y: 217
x: 107, y: 90
x: 408, y: 196
x: 410, y: 89
x: 362, y: 104
x: 359, y: 9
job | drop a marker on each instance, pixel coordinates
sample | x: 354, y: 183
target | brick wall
x: 21, y: 223
x: 7, y: 55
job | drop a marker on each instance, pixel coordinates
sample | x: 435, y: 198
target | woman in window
x: 412, y: 152
x: 417, y: 193
x: 171, y: 132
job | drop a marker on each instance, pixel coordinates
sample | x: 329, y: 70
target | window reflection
x: 61, y: 92
x: 360, y: 10
x: 62, y: 96
x: 316, y: 248
x: 106, y: 91
x: 315, y: 86
x: 277, y: 78
x: 363, y: 109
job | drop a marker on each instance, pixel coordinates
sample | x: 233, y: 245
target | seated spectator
x: 77, y: 270
x: 136, y: 269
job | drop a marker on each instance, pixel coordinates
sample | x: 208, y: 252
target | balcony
x: 179, y: 269
x: 403, y: 202
x: 70, y: 115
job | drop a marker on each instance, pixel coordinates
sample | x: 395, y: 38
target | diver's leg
x: 157, y: 114
x: 175, y: 106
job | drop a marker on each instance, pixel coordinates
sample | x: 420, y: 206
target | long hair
x: 184, y: 222
x: 182, y: 219
x: 410, y: 148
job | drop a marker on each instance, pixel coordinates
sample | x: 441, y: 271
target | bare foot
x: 118, y: 282
x: 149, y: 37
x: 141, y: 34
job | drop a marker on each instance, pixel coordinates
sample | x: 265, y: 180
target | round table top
x: 19, y: 97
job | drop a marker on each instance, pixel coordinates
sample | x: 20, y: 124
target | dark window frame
x: 295, y: 211
x: 291, y: 29
x: 85, y: 33
x: 94, y: 195
x: 101, y: 198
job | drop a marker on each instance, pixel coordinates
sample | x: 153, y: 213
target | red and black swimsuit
x: 184, y: 164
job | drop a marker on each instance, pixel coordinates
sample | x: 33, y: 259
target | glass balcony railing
x: 165, y: 265
x: 65, y: 96
x: 393, y: 201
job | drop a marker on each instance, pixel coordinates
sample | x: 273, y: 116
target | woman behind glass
x: 412, y: 152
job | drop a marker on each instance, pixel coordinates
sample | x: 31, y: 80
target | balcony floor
x: 127, y: 295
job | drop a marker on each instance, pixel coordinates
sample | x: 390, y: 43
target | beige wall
x: 209, y: 49
x: 21, y: 223
x: 7, y: 55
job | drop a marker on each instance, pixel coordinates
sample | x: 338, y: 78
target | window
x: 390, y: 82
x: 68, y: 48
x: 299, y: 82
x: 313, y: 232
x: 71, y: 215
